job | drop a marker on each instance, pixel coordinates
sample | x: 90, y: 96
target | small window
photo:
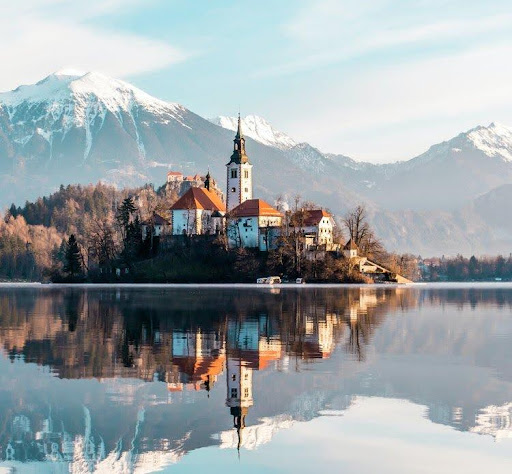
x: 246, y: 174
x: 246, y: 190
x: 234, y: 393
x: 233, y: 377
x: 234, y: 174
x: 233, y: 190
x: 246, y: 393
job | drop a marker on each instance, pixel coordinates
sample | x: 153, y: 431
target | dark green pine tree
x: 133, y: 244
x: 130, y: 229
x: 14, y: 211
x: 124, y: 214
x: 73, y: 258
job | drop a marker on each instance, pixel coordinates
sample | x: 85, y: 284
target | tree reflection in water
x: 187, y: 340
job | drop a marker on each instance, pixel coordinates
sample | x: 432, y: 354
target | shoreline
x: 282, y: 286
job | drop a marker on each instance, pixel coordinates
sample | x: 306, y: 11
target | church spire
x: 239, y: 133
x: 239, y: 172
x: 239, y: 155
x: 207, y: 181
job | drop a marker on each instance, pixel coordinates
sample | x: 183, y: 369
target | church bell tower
x: 239, y: 397
x: 239, y: 173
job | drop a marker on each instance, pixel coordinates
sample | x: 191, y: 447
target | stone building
x: 179, y: 184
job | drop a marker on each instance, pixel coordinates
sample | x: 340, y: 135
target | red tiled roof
x: 314, y: 216
x: 199, y: 198
x: 174, y: 173
x: 254, y: 208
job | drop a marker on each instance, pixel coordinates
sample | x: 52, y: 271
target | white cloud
x: 42, y: 36
x: 332, y: 31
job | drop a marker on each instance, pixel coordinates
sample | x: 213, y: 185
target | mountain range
x: 73, y: 127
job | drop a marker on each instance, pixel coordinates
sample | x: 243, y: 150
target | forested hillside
x: 94, y: 233
x: 32, y: 237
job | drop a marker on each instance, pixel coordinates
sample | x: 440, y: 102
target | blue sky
x: 378, y: 80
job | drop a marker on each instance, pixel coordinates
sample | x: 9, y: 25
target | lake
x: 252, y: 379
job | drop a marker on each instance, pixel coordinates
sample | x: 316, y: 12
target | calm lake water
x: 284, y: 380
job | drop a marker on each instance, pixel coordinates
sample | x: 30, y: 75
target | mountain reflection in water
x: 123, y: 379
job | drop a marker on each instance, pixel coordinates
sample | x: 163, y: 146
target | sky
x: 377, y: 80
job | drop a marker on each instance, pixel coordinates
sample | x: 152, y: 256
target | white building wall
x: 269, y: 221
x: 243, y: 232
x: 252, y: 232
x: 325, y: 228
x: 323, y: 231
x: 239, y: 184
x: 185, y: 221
x: 239, y: 384
x: 158, y: 230
x: 195, y: 222
x: 245, y: 182
x: 268, y: 238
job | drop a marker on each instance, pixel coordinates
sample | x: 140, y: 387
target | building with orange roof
x: 174, y: 176
x: 254, y: 224
x: 317, y: 225
x: 198, y: 211
x: 200, y: 359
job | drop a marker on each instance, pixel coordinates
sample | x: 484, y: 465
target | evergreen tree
x: 73, y: 260
x: 124, y: 214
x: 13, y: 211
x: 133, y: 244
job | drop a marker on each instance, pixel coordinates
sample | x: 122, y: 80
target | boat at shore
x: 271, y: 280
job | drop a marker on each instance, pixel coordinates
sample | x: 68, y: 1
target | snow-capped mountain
x: 258, y: 129
x: 68, y: 113
x: 492, y: 141
x: 80, y: 96
x: 73, y: 127
x: 451, y: 173
x: 83, y: 127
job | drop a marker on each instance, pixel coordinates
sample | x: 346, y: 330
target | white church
x: 248, y: 222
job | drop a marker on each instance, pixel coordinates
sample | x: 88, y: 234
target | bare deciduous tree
x: 362, y: 234
x: 102, y: 239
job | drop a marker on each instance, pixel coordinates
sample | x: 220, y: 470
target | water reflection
x: 122, y: 378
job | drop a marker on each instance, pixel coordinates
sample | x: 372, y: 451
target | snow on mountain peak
x: 84, y: 89
x: 494, y: 140
x: 258, y: 129
x: 64, y: 101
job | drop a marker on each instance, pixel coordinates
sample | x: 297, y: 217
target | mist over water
x: 140, y: 379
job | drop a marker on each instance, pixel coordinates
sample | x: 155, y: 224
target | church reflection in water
x: 162, y: 371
